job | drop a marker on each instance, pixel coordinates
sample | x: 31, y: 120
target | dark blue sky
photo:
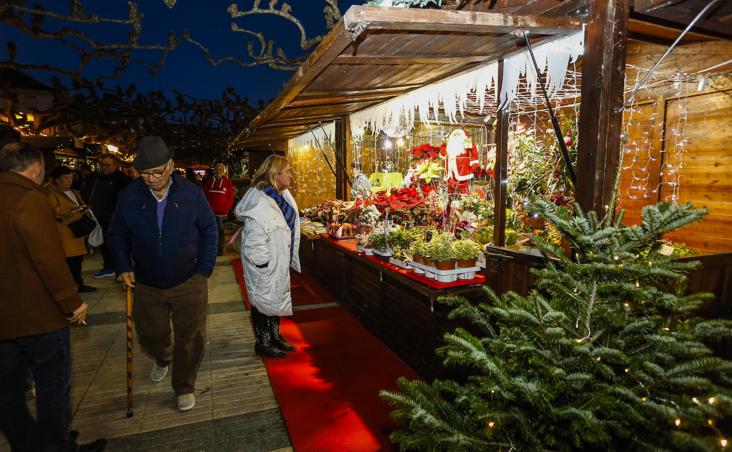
x: 186, y: 69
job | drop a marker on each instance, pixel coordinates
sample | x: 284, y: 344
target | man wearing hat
x: 163, y: 239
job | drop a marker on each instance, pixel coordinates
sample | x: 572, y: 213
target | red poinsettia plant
x: 424, y: 152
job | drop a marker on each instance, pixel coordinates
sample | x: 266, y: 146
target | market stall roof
x: 376, y: 53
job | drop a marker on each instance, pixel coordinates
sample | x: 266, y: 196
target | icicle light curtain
x: 451, y: 95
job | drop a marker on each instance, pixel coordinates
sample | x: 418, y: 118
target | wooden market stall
x: 376, y: 54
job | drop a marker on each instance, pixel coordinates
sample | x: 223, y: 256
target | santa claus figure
x: 461, y: 157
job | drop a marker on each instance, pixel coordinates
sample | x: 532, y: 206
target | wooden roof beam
x: 380, y: 18
x: 391, y: 60
x: 394, y: 90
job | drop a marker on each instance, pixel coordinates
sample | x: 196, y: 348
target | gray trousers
x: 186, y: 307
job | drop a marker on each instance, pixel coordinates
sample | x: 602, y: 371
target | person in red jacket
x: 220, y: 194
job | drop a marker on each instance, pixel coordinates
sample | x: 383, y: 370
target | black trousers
x: 220, y: 224
x: 106, y: 255
x: 48, y: 356
x: 74, y: 263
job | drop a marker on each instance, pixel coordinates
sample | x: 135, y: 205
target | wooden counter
x: 401, y: 312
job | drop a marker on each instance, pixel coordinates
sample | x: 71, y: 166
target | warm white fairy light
x: 674, y: 156
x: 653, y: 153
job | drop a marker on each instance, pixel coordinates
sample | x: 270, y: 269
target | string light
x: 491, y: 424
x: 723, y: 442
x: 677, y: 422
x: 712, y: 400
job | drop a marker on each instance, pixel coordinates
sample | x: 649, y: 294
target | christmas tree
x: 605, y: 354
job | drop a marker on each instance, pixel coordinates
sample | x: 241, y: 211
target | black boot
x: 264, y: 346
x: 277, y: 339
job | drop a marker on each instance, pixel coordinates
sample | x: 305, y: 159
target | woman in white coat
x: 269, y: 247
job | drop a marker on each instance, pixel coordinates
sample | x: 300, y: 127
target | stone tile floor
x: 235, y: 406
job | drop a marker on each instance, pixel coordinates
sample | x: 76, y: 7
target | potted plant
x: 381, y: 245
x: 442, y: 253
x: 364, y: 244
x: 466, y: 252
x: 418, y: 250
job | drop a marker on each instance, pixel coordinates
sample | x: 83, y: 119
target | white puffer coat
x: 265, y: 239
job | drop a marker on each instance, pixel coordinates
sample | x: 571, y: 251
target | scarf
x: 287, y: 211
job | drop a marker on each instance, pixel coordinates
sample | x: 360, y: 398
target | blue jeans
x: 48, y: 356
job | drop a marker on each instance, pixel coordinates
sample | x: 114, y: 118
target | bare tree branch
x: 267, y: 53
x: 15, y: 14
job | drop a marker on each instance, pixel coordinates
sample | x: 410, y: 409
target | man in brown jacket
x: 38, y: 302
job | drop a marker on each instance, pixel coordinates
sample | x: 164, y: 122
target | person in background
x: 88, y: 176
x: 360, y: 186
x: 76, y: 179
x: 269, y: 247
x: 102, y: 199
x: 191, y: 176
x: 69, y: 207
x: 163, y: 243
x: 38, y: 303
x: 220, y: 195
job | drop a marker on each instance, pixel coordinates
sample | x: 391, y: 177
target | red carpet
x: 328, y: 389
x: 304, y: 291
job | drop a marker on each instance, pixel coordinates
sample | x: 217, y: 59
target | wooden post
x: 501, y: 168
x: 342, y: 143
x: 603, y: 83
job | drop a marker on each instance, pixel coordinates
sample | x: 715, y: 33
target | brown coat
x: 36, y: 287
x: 62, y: 207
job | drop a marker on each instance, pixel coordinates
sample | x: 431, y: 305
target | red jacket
x: 220, y: 194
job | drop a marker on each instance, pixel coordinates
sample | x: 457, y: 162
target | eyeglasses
x: 154, y: 174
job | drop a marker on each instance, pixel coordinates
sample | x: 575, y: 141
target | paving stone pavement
x: 235, y: 406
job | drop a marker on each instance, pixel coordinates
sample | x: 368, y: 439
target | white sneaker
x: 158, y: 373
x: 186, y: 402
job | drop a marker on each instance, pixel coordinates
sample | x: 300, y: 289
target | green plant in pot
x: 441, y: 251
x: 364, y: 241
x: 403, y: 254
x: 418, y: 250
x: 378, y: 241
x: 466, y: 252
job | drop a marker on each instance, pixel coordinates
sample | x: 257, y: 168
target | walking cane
x: 129, y: 352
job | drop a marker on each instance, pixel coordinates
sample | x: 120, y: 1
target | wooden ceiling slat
x: 338, y: 100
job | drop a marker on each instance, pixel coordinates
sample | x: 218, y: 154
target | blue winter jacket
x: 186, y: 245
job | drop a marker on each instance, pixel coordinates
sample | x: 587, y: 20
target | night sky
x: 186, y: 69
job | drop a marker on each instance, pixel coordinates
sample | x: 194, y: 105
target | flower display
x: 428, y: 171
x: 425, y: 152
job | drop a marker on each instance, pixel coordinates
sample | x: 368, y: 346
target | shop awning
x: 375, y: 54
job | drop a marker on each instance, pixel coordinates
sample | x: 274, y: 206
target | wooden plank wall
x: 706, y: 176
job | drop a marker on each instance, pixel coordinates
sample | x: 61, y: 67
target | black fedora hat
x: 151, y: 153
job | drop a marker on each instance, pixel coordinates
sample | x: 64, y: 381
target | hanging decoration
x: 453, y: 94
x: 552, y: 57
x: 170, y: 3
